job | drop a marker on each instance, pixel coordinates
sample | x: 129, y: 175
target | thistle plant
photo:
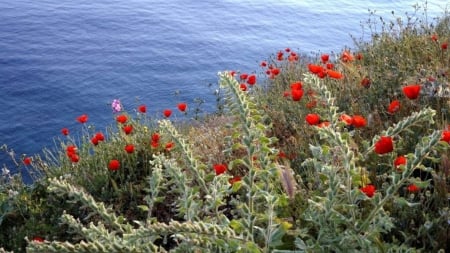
x: 114, y: 233
x: 258, y: 211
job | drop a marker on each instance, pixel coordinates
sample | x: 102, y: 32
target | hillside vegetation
x: 345, y: 152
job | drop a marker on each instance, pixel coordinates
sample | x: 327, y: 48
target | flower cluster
x: 245, y: 80
x: 98, y: 137
x: 71, y: 152
x: 356, y: 121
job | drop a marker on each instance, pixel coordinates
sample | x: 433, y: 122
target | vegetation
x: 334, y: 153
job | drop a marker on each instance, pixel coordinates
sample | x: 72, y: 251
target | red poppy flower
x: 322, y: 74
x: 155, y: 137
x: 234, y: 179
x: 71, y: 149
x: 281, y: 154
x: 434, y: 37
x: 293, y: 57
x: 27, y: 161
x: 243, y: 76
x: 346, y: 56
x: 82, y: 119
x: 129, y: 148
x: 369, y: 190
x: 182, y: 107
x: 412, y: 188
x: 169, y: 146
x: 154, y: 144
x: 65, y: 131
x: 142, y: 109
x: 127, y: 129
x: 411, y: 91
x: 296, y: 95
x: 280, y: 56
x: 275, y: 71
x: 251, y: 80
x: 232, y: 73
x: 286, y: 93
x: 325, y: 58
x: 330, y: 65
x: 444, y: 46
x: 38, y: 239
x: 219, y: 168
x: 99, y: 136
x: 365, y: 82
x: 358, y: 121
x: 122, y: 118
x: 243, y: 87
x: 446, y: 136
x: 334, y: 74
x: 263, y: 64
x: 287, y: 49
x: 167, y: 113
x: 359, y: 56
x: 74, y: 158
x: 312, y: 119
x: 384, y: 145
x: 400, y: 160
x: 315, y: 69
x: 348, y: 120
x: 114, y: 165
x: 94, y: 141
x: 394, y: 106
x: 296, y: 86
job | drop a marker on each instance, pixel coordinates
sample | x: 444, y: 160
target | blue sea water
x: 60, y: 59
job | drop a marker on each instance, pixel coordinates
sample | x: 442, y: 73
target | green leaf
x: 251, y: 247
x: 143, y: 208
x: 276, y: 236
x: 300, y: 244
x: 323, y: 177
x: 114, y: 184
x: 210, y: 177
x: 236, y: 226
x: 236, y: 186
x: 403, y: 202
x: 315, y: 150
x: 237, y: 146
x: 419, y: 183
x: 236, y: 162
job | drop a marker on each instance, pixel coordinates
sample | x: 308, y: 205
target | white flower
x: 5, y: 172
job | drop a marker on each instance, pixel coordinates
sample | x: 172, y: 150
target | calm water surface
x: 60, y: 59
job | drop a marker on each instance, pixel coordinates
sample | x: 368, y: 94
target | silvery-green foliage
x: 339, y: 217
x: 198, y: 198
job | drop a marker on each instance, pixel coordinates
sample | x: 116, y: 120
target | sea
x: 60, y: 59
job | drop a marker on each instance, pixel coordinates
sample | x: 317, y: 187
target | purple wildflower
x: 116, y: 106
